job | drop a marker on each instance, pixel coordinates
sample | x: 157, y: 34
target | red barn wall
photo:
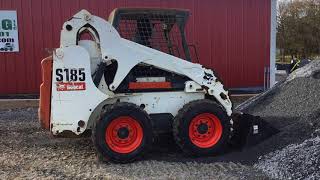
x: 232, y: 37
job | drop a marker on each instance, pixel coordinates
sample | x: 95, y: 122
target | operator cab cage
x: 160, y: 29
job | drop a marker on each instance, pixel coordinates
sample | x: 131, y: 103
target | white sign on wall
x: 9, y: 31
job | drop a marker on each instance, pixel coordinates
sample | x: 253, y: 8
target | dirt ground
x: 28, y: 152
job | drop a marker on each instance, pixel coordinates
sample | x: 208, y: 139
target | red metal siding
x: 232, y: 37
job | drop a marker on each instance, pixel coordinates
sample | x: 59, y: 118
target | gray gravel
x: 296, y: 161
x: 27, y: 152
x: 293, y: 107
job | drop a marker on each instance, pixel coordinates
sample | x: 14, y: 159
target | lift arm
x: 128, y: 54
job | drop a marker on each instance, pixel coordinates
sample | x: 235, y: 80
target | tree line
x: 298, y: 29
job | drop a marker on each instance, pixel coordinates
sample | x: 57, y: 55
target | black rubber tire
x: 111, y: 112
x: 183, y: 119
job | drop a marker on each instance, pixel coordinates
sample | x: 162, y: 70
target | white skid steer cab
x: 132, y: 77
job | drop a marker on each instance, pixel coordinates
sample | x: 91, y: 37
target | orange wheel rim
x: 205, y: 130
x: 124, y: 134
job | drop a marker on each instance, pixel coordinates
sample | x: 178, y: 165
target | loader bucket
x: 250, y: 130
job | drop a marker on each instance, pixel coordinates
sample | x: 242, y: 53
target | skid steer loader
x: 129, y: 78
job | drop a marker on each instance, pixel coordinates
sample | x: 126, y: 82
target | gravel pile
x: 299, y: 87
x: 296, y: 161
x: 27, y: 152
x: 293, y: 107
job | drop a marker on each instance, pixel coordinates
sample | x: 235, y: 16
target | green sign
x: 8, y: 31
